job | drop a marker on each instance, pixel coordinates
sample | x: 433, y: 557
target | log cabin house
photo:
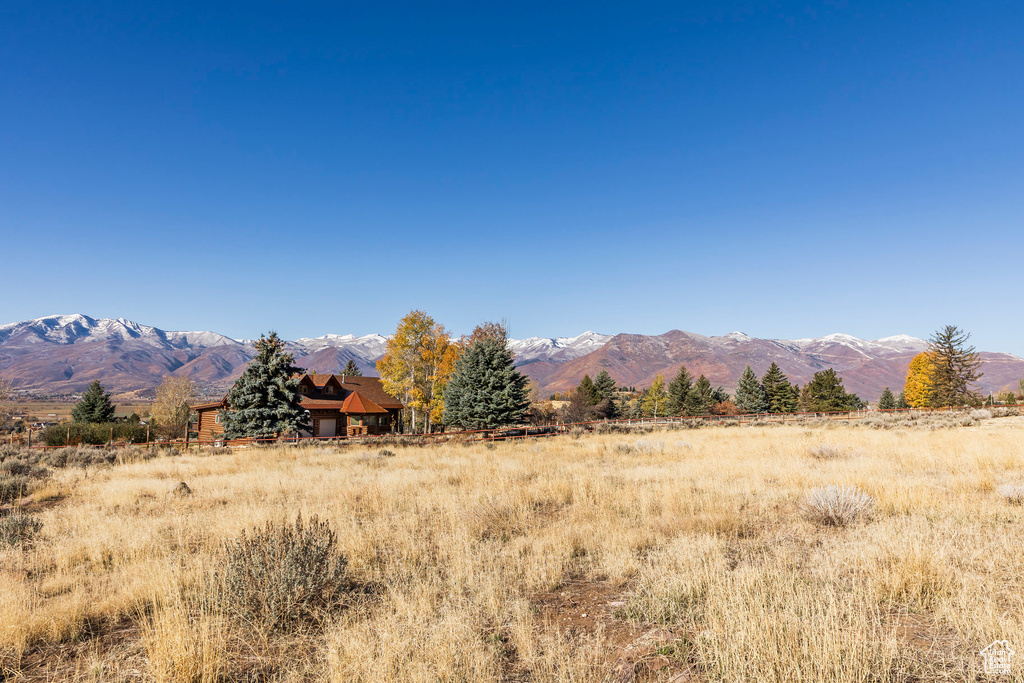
x: 338, y: 405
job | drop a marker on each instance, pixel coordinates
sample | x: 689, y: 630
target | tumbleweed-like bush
x: 838, y: 505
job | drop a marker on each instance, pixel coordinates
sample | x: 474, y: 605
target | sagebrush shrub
x: 13, y: 487
x: 826, y: 451
x: 838, y: 505
x: 280, y: 575
x: 18, y: 529
x: 981, y: 414
x: 649, y: 445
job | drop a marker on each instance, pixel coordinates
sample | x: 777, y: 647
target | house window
x: 328, y: 390
x: 303, y: 389
x: 216, y: 418
x: 371, y: 420
x: 355, y: 420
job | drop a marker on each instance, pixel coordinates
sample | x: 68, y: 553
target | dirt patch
x: 28, y: 505
x: 108, y: 652
x: 633, y: 652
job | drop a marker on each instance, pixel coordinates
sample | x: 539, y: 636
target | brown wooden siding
x: 208, y: 428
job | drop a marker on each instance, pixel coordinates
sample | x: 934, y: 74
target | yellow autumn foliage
x: 920, y: 380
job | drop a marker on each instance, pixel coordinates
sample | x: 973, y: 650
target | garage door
x: 328, y: 427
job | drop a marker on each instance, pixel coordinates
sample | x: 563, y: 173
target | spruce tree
x: 264, y: 401
x: 485, y: 390
x: 779, y: 395
x: 700, y: 398
x: 605, y: 385
x: 588, y: 391
x: 901, y: 401
x: 955, y: 368
x: 678, y: 389
x: 750, y: 396
x: 606, y: 408
x: 95, y: 405
x: 887, y: 401
x: 351, y: 369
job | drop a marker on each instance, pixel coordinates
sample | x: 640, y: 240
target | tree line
x: 685, y: 396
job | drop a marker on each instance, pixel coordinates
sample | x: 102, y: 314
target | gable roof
x: 359, y: 404
x: 371, y: 388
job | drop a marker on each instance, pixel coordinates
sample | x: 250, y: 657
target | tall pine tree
x: 700, y: 398
x: 750, y: 396
x: 485, y: 390
x: 588, y: 391
x: 678, y: 389
x: 955, y: 368
x: 351, y: 369
x: 606, y: 408
x: 605, y: 385
x: 264, y: 401
x: 780, y: 396
x: 95, y: 405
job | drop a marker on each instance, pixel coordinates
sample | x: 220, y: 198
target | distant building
x: 338, y: 405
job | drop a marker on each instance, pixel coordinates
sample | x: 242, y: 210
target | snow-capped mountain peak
x: 556, y: 348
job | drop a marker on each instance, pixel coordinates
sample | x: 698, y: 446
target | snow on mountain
x: 78, y: 328
x: 368, y: 347
x: 897, y: 344
x: 533, y: 349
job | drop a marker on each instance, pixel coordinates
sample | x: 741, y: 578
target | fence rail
x: 521, y: 431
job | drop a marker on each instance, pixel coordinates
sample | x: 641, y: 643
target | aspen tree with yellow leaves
x: 919, y: 387
x: 416, y: 365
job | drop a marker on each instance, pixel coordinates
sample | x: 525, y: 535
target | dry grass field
x: 689, y: 555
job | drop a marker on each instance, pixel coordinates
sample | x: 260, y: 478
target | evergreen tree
x: 95, y: 405
x: 886, y: 401
x: 606, y: 408
x: 264, y: 401
x: 901, y: 401
x: 955, y: 368
x: 655, y: 402
x: 719, y: 395
x: 750, y: 396
x: 588, y: 391
x: 779, y: 395
x: 605, y: 385
x: 351, y: 369
x: 485, y: 390
x: 678, y: 389
x: 700, y: 398
x: 825, y: 393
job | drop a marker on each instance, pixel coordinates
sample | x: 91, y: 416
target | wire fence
x: 517, y: 432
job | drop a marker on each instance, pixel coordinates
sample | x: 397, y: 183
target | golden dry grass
x: 560, y: 560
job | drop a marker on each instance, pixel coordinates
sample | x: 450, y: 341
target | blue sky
x: 783, y: 169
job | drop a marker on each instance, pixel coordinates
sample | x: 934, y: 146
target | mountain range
x: 62, y: 354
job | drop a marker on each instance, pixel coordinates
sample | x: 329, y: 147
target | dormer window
x: 328, y: 389
x: 303, y: 389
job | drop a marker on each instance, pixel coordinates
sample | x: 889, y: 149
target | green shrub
x: 95, y: 434
x: 18, y: 529
x: 278, y: 576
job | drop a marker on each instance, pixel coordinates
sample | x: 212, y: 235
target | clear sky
x: 784, y: 169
